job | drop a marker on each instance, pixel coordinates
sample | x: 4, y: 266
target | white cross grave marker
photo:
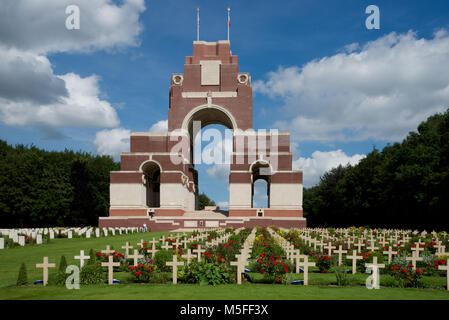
x: 152, y: 250
x: 329, y: 248
x: 199, y: 251
x: 45, y: 265
x: 375, y: 274
x: 110, y: 264
x: 81, y: 258
x: 136, y: 256
x: 127, y: 247
x: 340, y: 252
x: 446, y: 268
x: 306, y: 264
x: 141, y: 243
x: 189, y: 256
x: 354, y: 259
x: 174, y: 264
x: 390, y: 253
x: 414, y: 258
x: 108, y: 250
x: 241, y: 263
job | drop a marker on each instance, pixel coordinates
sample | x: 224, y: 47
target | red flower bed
x: 141, y: 272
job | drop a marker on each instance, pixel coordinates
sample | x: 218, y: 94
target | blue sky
x: 316, y: 70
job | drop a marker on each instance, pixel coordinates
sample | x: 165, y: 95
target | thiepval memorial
x: 157, y: 184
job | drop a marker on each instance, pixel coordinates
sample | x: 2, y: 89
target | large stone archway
x: 211, y: 90
x: 205, y: 115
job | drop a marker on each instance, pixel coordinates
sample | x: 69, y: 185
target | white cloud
x: 30, y: 92
x: 382, y: 90
x: 80, y: 108
x: 160, y: 126
x: 320, y: 162
x: 39, y: 26
x: 219, y: 172
x: 218, y: 154
x: 223, y: 204
x: 27, y: 77
x: 112, y: 142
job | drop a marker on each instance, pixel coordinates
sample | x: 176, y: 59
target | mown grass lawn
x: 322, y: 286
x: 223, y: 292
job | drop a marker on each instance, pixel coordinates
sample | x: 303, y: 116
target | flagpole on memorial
x: 197, y: 24
x: 229, y: 21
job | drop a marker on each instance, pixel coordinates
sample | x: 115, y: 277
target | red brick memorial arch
x: 157, y: 183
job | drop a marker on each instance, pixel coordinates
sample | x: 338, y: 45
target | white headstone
x: 174, y: 264
x: 97, y: 233
x: 110, y: 264
x: 22, y: 240
x: 39, y: 239
x: 2, y: 243
x: 52, y: 234
x: 69, y: 234
x: 445, y: 268
x: 45, y: 265
x: 81, y: 258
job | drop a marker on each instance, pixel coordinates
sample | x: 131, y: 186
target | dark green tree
x: 403, y: 186
x: 40, y: 188
x: 23, y: 277
x: 203, y: 201
x: 62, y: 264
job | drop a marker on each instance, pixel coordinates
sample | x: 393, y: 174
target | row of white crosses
x: 110, y: 264
x: 18, y: 235
x: 394, y: 239
x: 301, y: 260
x: 136, y: 256
x: 397, y: 238
x: 242, y: 258
x: 175, y: 263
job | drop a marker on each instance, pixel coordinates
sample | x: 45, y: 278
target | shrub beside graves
x: 208, y: 273
x: 405, y: 275
x: 22, y: 278
x: 160, y: 259
x: 192, y: 272
x: 61, y: 276
x: 62, y: 264
x: 92, y: 274
x: 323, y: 262
x: 341, y: 275
x: 93, y: 257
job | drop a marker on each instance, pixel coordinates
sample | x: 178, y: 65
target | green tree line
x: 40, y: 188
x: 406, y: 185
